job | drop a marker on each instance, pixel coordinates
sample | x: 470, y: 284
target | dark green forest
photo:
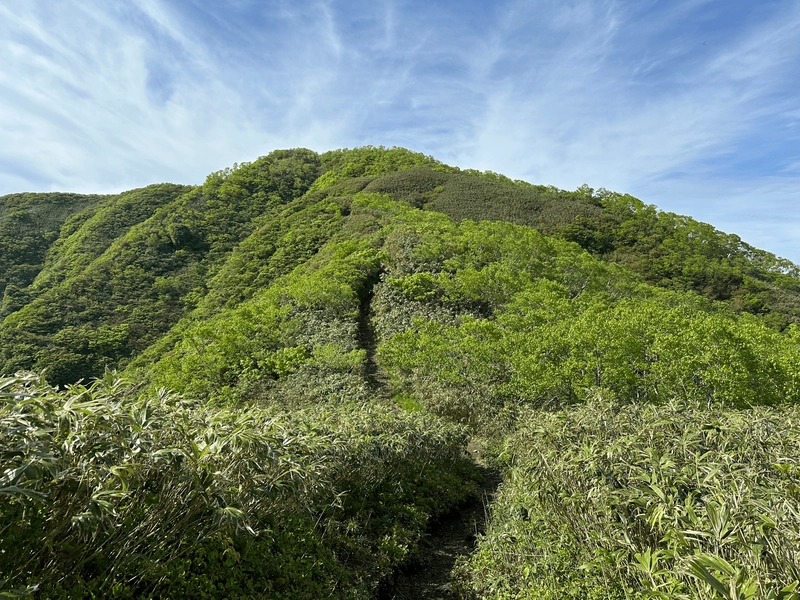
x: 265, y: 386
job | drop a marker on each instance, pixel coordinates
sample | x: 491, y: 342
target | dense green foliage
x: 541, y: 323
x: 607, y: 500
x: 29, y: 224
x: 668, y: 250
x: 124, y: 269
x: 341, y: 165
x: 104, y: 495
x: 314, y: 338
x: 152, y: 274
x: 678, y: 252
x: 84, y: 237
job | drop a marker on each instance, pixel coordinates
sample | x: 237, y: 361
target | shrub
x: 608, y: 500
x: 105, y: 496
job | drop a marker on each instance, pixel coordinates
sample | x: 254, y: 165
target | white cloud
x: 77, y: 110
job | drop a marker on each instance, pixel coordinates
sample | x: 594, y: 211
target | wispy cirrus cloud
x: 689, y: 104
x: 88, y: 103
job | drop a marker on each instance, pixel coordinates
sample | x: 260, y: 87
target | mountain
x: 264, y: 386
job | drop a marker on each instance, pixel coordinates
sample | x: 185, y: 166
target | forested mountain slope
x: 29, y: 224
x: 306, y: 344
x: 668, y: 250
x: 122, y: 270
x: 95, y: 304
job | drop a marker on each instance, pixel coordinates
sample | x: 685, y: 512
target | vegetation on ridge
x: 310, y: 342
x: 152, y: 274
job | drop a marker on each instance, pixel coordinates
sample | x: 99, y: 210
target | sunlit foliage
x: 311, y: 340
x: 610, y: 500
x: 106, y: 495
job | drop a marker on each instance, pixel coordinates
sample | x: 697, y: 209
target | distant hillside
x: 292, y: 357
x: 29, y: 224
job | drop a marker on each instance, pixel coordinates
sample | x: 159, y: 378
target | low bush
x: 606, y: 500
x: 105, y: 496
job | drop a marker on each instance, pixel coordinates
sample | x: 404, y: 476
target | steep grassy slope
x: 494, y: 325
x: 668, y: 250
x: 88, y: 234
x: 124, y: 270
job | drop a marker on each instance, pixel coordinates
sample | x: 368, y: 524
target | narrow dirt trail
x: 427, y: 575
x: 375, y: 375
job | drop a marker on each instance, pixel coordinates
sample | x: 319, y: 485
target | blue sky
x: 690, y: 105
